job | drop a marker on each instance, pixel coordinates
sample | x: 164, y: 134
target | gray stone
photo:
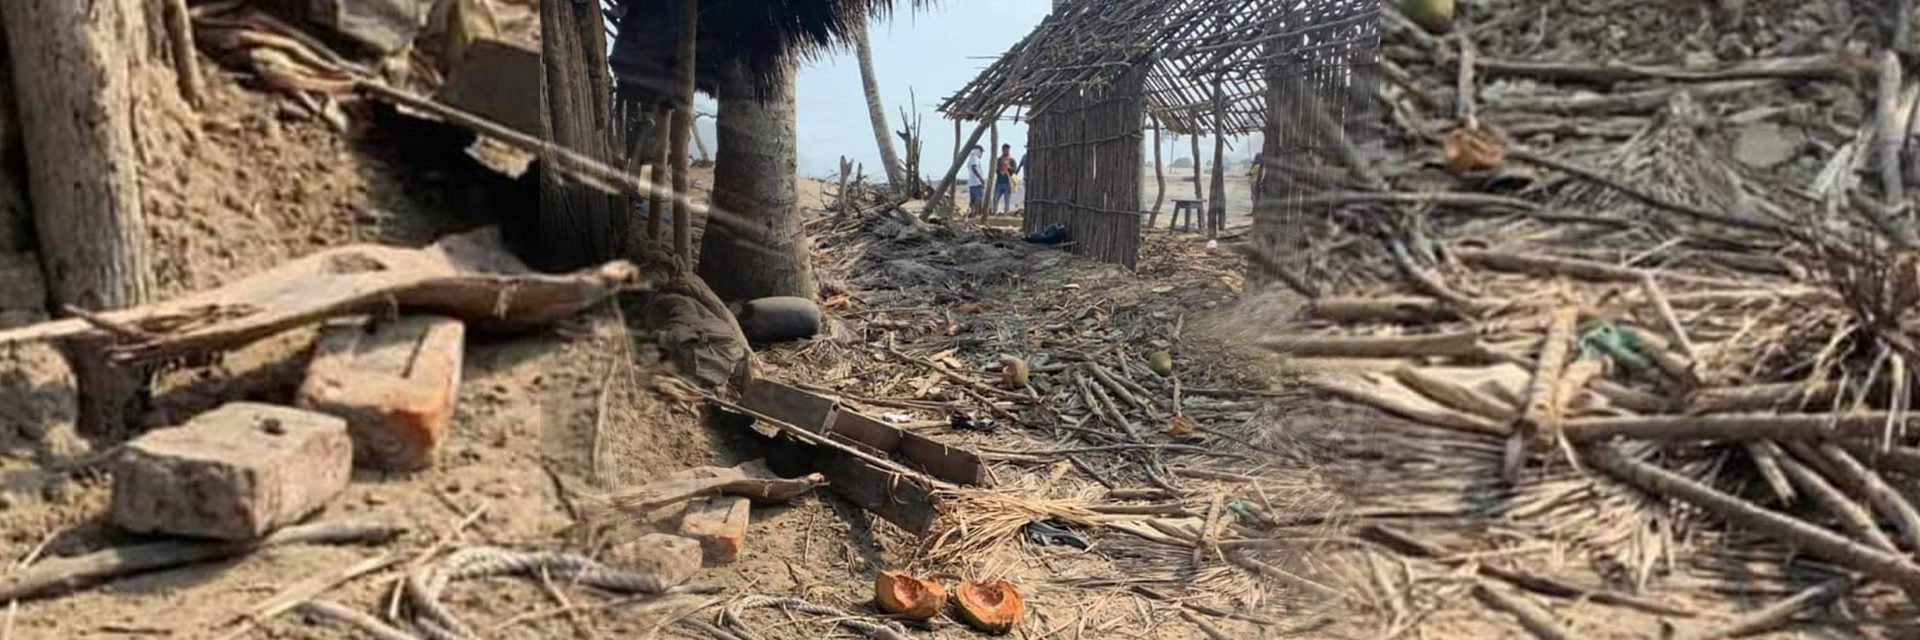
x: 1764, y: 146
x: 234, y: 473
x: 382, y: 26
x: 671, y: 558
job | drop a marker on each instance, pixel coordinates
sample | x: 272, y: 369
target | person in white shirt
x: 976, y: 178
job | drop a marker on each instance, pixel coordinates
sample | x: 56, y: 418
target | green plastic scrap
x: 1622, y: 346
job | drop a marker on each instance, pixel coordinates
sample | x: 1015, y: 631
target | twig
x: 186, y: 61
x: 1856, y: 521
x: 1469, y: 111
x: 366, y: 623
x: 1205, y: 627
x: 1532, y: 618
x: 1779, y: 613
x: 61, y: 575
x: 305, y: 590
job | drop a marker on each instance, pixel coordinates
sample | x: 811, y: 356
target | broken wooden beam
x: 1735, y: 427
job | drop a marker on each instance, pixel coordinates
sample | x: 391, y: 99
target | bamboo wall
x: 1084, y: 157
x: 1320, y: 87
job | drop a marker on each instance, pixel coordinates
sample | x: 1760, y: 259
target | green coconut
x: 1433, y: 15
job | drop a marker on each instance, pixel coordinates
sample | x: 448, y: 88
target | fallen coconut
x: 1013, y: 372
x: 907, y: 596
x: 1161, y: 363
x: 993, y: 607
x: 1433, y: 15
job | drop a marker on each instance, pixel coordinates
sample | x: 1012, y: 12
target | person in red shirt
x: 1004, y: 169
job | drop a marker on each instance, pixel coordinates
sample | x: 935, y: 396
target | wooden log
x: 1813, y: 67
x: 1904, y: 460
x: 62, y: 575
x: 1760, y: 397
x: 1451, y: 344
x: 1396, y: 309
x: 1547, y: 266
x: 686, y: 50
x: 1890, y: 567
x: 1733, y: 427
x: 1540, y: 413
x: 1159, y: 177
x: 1455, y: 395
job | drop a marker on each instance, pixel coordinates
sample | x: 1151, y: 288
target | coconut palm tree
x: 882, y: 134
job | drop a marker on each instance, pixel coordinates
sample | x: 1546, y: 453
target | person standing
x: 976, y: 180
x: 1004, y: 170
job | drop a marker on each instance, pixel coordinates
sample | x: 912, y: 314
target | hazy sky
x: 926, y: 55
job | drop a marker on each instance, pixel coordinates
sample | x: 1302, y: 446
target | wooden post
x: 993, y: 168
x: 1217, y: 210
x: 1199, y: 165
x: 1159, y: 177
x: 657, y: 201
x: 689, y: 33
x: 578, y: 225
x: 74, y: 66
x: 961, y: 152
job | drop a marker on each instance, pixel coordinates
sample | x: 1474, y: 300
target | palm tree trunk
x: 755, y: 246
x: 882, y: 134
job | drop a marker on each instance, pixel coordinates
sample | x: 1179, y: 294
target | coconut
x: 907, y: 596
x: 1433, y: 15
x: 993, y: 607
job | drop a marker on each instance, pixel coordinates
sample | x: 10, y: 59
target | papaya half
x: 994, y: 607
x: 907, y: 596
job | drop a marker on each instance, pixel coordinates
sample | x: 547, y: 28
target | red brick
x: 720, y: 524
x: 234, y: 473
x: 396, y: 384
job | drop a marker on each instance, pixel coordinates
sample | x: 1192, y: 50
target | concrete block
x: 720, y: 524
x: 673, y: 558
x: 395, y: 383
x: 234, y: 473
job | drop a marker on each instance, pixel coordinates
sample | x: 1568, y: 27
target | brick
x: 720, y: 524
x: 234, y: 473
x: 395, y: 383
x: 673, y: 558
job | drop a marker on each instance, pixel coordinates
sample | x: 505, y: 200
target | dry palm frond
x: 974, y: 524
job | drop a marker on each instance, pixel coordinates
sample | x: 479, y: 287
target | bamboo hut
x: 1093, y: 75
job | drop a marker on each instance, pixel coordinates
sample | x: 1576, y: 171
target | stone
x: 719, y: 523
x: 672, y: 558
x: 382, y: 26
x: 1764, y: 146
x: 778, y: 319
x: 234, y: 473
x: 395, y: 383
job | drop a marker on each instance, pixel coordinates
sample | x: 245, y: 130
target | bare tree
x: 896, y: 172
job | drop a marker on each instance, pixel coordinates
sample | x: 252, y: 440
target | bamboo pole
x: 1159, y: 177
x: 1733, y: 427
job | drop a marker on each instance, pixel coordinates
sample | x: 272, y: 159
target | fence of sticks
x: 1638, y: 342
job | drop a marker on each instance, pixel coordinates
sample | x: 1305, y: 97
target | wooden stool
x: 1190, y: 207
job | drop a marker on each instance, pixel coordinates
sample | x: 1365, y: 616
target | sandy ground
x: 1239, y: 196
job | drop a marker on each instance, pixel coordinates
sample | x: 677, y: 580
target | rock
x: 672, y: 558
x: 382, y: 26
x: 1764, y: 146
x: 21, y: 284
x: 778, y: 319
x: 234, y: 473
x: 720, y: 525
x: 396, y: 386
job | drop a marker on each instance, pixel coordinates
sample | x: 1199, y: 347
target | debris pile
x: 1653, y: 315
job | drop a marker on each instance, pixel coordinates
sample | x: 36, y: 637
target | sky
x: 920, y: 57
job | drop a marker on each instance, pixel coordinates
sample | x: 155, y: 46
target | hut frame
x: 1089, y: 78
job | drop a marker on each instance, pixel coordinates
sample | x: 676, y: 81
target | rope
x: 878, y: 630
x: 437, y: 622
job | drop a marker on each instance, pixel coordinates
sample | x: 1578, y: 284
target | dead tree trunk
x: 687, y: 29
x: 863, y: 48
x: 579, y: 225
x: 755, y: 245
x: 74, y: 66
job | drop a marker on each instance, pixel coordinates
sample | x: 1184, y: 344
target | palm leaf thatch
x: 756, y: 35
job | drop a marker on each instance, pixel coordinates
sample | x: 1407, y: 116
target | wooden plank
x: 902, y: 500
x: 938, y: 460
x: 797, y: 407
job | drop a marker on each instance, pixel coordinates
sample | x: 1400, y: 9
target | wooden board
x: 797, y: 407
x: 947, y: 463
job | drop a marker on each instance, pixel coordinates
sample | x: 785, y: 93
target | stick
x: 62, y: 575
x: 1892, y: 568
x: 1468, y: 112
x: 1889, y: 139
x: 366, y: 623
x: 1856, y: 521
x: 1205, y: 627
x: 305, y: 590
x: 1774, y: 615
x: 1860, y: 480
x: 1452, y: 344
x: 1643, y: 196
x: 186, y: 61
x: 644, y: 500
x: 1541, y: 412
x: 686, y: 50
x: 1365, y: 393
x: 945, y: 189
x: 1665, y: 308
x: 1397, y: 309
x: 1532, y: 618
x: 1544, y: 585
x: 1206, y: 537
x: 1813, y: 67
x: 1548, y: 266
x: 1760, y: 397
x: 1767, y: 460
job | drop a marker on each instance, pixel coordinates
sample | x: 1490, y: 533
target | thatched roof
x: 1189, y: 44
x: 756, y: 33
